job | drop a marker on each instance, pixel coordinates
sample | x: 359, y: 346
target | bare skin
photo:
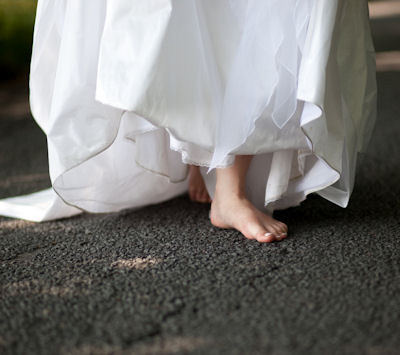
x: 197, y: 188
x: 230, y: 207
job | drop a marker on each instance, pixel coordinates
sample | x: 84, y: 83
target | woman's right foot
x: 197, y: 188
x: 233, y: 211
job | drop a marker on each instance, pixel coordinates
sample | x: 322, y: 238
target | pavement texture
x: 162, y: 280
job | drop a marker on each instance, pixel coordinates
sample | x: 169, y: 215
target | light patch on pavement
x: 172, y: 345
x: 15, y: 224
x: 78, y: 285
x: 384, y: 9
x: 3, y: 341
x: 137, y: 263
x: 16, y: 109
x: 23, y: 179
x: 388, y: 61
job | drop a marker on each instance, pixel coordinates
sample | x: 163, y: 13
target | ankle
x: 194, y: 169
x: 229, y: 192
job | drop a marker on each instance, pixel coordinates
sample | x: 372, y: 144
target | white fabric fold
x: 41, y: 206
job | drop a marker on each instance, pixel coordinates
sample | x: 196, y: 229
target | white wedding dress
x: 129, y: 92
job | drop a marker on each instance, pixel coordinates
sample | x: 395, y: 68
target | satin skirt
x: 129, y: 92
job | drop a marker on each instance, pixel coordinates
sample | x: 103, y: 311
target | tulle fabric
x: 128, y: 92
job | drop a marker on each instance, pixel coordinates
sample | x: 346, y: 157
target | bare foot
x: 197, y: 187
x: 231, y: 209
x: 235, y: 211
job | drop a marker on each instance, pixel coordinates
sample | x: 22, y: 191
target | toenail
x: 268, y: 235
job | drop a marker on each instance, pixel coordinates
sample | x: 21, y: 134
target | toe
x: 266, y: 237
x: 192, y: 195
x: 273, y: 229
x: 283, y: 226
x: 196, y: 198
x: 206, y: 197
x: 280, y: 234
x: 278, y: 226
x: 199, y: 196
x: 203, y: 197
x: 253, y: 229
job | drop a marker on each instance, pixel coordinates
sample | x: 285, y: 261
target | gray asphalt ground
x: 162, y: 280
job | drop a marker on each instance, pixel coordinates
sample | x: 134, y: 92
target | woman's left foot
x: 197, y: 187
x: 233, y: 211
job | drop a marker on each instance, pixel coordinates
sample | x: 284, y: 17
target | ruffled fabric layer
x: 132, y: 93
